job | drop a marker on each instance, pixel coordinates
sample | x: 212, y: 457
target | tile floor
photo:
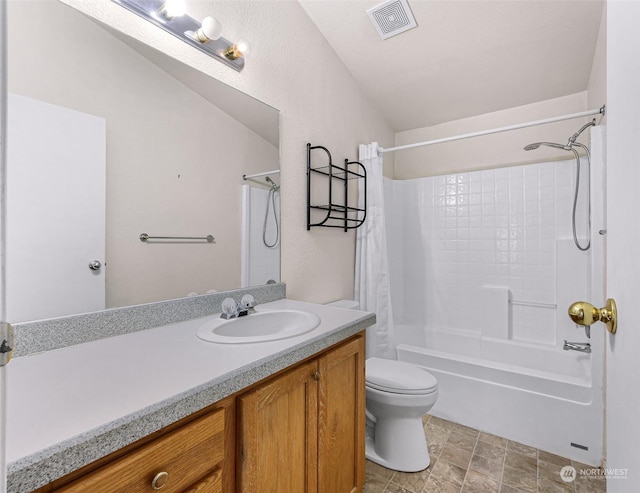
x: 464, y: 460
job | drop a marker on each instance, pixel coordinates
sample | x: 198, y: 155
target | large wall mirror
x: 109, y: 139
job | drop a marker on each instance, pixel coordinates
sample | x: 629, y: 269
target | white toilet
x: 398, y: 395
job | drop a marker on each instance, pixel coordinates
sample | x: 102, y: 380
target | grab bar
x: 535, y: 304
x: 144, y: 237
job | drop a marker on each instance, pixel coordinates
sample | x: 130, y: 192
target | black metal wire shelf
x: 334, y: 207
x: 338, y: 215
x: 339, y: 172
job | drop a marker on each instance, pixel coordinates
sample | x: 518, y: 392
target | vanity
x: 125, y: 397
x: 161, y: 409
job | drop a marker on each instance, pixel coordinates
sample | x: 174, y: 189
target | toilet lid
x: 399, y: 377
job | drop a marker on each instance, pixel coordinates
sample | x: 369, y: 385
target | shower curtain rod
x: 248, y: 177
x: 600, y: 111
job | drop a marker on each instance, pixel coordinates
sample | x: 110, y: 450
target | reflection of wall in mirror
x: 174, y: 160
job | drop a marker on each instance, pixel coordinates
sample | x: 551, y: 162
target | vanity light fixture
x: 205, y: 36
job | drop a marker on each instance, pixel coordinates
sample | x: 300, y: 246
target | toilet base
x: 402, y: 445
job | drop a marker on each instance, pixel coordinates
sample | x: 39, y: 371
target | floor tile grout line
x: 464, y: 479
x: 504, y: 463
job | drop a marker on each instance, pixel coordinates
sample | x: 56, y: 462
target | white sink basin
x: 261, y: 326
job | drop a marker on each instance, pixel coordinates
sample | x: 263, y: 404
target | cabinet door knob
x: 160, y: 480
x: 316, y: 376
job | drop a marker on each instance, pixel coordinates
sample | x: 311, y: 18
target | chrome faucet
x: 583, y: 347
x: 231, y: 309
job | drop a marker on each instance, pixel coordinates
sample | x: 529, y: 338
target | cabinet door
x: 341, y: 419
x: 277, y: 434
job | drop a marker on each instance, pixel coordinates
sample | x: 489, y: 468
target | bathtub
x: 538, y: 395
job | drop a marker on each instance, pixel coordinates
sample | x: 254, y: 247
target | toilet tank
x: 350, y: 304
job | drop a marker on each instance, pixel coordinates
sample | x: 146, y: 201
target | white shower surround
x: 259, y: 263
x: 483, y: 268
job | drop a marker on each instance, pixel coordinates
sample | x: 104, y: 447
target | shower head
x: 570, y: 143
x: 535, y: 145
x: 274, y: 186
x: 573, y: 138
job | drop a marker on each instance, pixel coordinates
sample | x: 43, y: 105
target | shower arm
x: 572, y: 139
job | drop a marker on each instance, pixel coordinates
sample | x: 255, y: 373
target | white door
x: 56, y: 162
x: 623, y: 239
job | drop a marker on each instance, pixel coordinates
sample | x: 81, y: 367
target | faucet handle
x: 247, y: 301
x: 229, y: 308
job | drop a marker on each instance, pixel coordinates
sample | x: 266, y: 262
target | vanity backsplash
x: 45, y: 335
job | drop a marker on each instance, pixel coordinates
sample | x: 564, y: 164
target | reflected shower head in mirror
x: 274, y: 186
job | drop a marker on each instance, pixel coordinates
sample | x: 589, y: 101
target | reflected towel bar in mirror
x: 144, y: 237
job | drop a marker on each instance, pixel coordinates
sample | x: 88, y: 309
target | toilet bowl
x: 398, y: 395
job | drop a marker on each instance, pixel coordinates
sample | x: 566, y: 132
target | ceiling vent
x: 392, y: 17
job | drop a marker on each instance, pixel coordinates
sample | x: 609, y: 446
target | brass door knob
x: 586, y: 314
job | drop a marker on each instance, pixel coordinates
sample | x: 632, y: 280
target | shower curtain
x: 372, y: 287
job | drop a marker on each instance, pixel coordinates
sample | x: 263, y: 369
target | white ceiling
x: 465, y: 58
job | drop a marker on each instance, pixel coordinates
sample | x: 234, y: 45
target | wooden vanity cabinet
x: 303, y: 431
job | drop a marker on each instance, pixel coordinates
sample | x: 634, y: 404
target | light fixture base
x: 182, y: 28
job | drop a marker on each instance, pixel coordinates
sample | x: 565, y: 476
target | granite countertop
x: 71, y: 406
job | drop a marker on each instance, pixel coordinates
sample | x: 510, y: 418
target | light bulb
x: 235, y: 51
x: 243, y: 46
x: 211, y: 29
x: 173, y: 8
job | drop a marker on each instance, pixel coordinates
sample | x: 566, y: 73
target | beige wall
x: 490, y: 151
x: 174, y: 160
x: 291, y: 68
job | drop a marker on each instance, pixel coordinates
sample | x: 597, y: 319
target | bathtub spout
x: 583, y: 347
